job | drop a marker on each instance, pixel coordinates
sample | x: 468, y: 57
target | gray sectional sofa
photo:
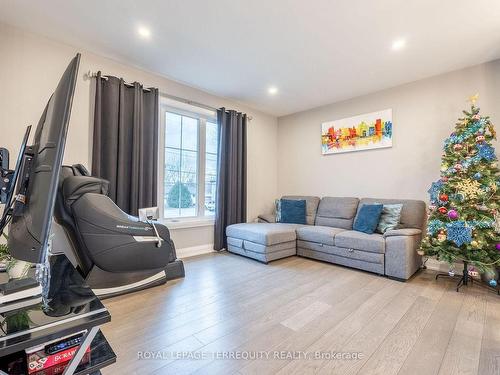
x: 328, y: 236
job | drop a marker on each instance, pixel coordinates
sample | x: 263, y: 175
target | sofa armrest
x: 267, y: 218
x: 401, y: 257
x: 403, y: 232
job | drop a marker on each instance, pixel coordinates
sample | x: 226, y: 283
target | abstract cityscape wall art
x: 364, y: 132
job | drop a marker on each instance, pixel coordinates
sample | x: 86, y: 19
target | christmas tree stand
x: 466, y: 279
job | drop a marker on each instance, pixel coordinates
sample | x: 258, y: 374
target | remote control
x: 66, y: 344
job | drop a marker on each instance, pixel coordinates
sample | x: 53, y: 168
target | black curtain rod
x: 128, y: 84
x: 173, y: 97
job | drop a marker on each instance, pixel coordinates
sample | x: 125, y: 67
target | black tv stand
x: 72, y: 307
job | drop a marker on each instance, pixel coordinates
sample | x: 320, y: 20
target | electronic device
x: 53, y: 356
x: 137, y: 254
x: 70, y: 342
x: 29, y: 190
x: 35, y: 178
x: 149, y: 213
x: 9, y: 179
x: 4, y: 166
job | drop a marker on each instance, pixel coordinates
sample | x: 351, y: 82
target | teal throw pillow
x: 367, y: 218
x: 293, y: 211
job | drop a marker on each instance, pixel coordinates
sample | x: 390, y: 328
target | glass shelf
x: 101, y: 355
x: 72, y: 307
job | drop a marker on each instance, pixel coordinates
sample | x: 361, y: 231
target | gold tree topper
x: 473, y: 99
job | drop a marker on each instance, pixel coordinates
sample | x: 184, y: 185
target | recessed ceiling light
x: 273, y: 90
x: 144, y: 32
x: 398, y: 44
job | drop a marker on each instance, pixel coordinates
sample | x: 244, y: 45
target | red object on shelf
x: 59, y: 369
x: 41, y: 361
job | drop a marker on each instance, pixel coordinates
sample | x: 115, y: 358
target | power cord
x: 159, y: 241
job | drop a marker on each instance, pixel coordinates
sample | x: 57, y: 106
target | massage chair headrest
x: 73, y: 170
x: 75, y: 186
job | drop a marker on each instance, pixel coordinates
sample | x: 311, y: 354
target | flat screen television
x: 38, y: 174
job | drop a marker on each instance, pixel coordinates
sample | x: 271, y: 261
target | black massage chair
x: 115, y: 252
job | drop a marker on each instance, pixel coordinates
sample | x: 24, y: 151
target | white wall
x: 30, y: 67
x: 424, y: 114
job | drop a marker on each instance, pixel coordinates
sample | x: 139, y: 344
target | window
x: 188, y: 141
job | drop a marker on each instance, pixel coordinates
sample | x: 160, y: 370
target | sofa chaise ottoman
x: 328, y: 236
x: 262, y: 241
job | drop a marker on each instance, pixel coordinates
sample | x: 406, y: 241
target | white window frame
x: 203, y: 116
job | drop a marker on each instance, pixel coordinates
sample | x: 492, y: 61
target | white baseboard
x: 194, y: 250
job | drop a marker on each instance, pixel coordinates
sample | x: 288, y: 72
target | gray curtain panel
x: 125, y: 149
x: 231, y: 205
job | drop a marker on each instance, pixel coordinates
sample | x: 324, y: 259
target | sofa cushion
x: 262, y: 249
x: 337, y: 212
x: 263, y: 233
x: 319, y: 234
x: 235, y: 241
x: 413, y: 214
x: 391, y: 214
x: 293, y: 211
x: 311, y: 205
x: 361, y: 241
x: 367, y: 218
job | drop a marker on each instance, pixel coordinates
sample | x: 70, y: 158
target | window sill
x: 188, y: 223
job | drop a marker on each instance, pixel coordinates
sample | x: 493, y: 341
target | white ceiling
x: 316, y: 52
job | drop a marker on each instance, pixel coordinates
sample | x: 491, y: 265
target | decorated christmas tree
x: 464, y: 221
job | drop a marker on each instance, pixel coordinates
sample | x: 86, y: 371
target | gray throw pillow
x: 391, y: 214
x: 277, y: 210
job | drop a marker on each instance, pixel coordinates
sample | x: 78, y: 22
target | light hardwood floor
x: 230, y: 305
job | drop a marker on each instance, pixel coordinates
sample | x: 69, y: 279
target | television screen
x: 37, y: 187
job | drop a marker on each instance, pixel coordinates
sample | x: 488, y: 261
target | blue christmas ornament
x: 459, y: 233
x: 477, y: 176
x: 433, y: 226
x: 470, y: 131
x: 457, y: 197
x: 486, y: 152
x: 493, y: 283
x: 434, y: 190
x: 476, y: 159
